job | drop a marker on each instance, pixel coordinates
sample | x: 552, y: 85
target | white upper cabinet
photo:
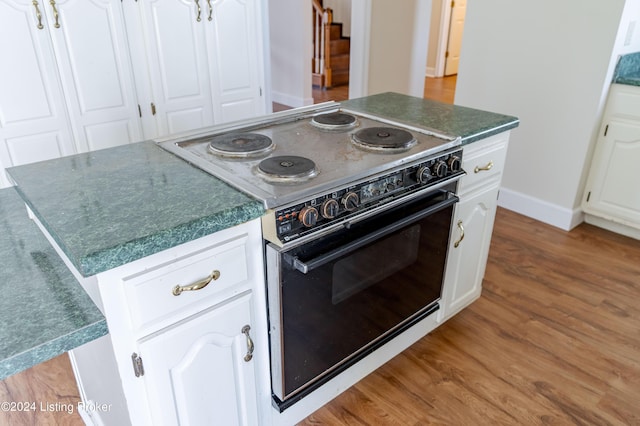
x: 80, y: 75
x: 34, y: 124
x: 66, y: 85
x: 203, y: 62
x: 92, y: 54
x: 238, y: 73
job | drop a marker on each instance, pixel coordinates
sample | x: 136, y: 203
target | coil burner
x: 383, y: 139
x: 287, y: 169
x: 241, y: 145
x: 334, y: 121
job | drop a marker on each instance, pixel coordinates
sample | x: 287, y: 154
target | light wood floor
x: 554, y: 340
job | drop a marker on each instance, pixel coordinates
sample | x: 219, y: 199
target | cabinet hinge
x: 260, y: 91
x: 453, y: 3
x: 153, y: 108
x: 139, y: 111
x: 446, y: 54
x: 138, y: 368
x: 606, y: 129
x: 588, y: 196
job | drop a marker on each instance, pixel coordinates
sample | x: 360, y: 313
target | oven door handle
x: 307, y: 266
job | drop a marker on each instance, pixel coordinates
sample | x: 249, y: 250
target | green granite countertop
x: 628, y: 70
x: 110, y: 207
x: 44, y: 311
x: 468, y: 123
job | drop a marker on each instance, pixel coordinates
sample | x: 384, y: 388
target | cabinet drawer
x: 150, y: 295
x: 482, y: 161
x: 624, y: 101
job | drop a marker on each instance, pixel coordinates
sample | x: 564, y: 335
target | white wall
x: 550, y: 64
x: 399, y: 33
x: 290, y: 32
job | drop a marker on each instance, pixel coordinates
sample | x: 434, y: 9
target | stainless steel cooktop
x: 332, y: 150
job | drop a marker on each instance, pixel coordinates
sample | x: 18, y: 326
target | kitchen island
x: 126, y: 218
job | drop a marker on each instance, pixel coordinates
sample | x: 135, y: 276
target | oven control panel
x: 310, y: 215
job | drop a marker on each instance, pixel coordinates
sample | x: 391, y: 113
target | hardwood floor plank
x: 49, y: 391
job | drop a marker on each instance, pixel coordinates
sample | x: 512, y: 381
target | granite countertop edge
x: 113, y: 257
x: 52, y: 348
x: 44, y: 312
x: 105, y: 260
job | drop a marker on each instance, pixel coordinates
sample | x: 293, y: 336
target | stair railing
x: 322, y: 19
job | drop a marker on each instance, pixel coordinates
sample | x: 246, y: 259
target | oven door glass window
x: 342, y: 293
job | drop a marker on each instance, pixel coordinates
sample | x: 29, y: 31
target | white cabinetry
x: 202, y: 60
x: 612, y: 199
x: 473, y: 222
x: 201, y: 372
x: 199, y: 357
x: 65, y: 84
x: 81, y: 75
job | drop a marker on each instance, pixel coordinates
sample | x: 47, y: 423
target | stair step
x: 339, y: 78
x: 336, y: 30
x: 340, y: 46
x: 340, y: 62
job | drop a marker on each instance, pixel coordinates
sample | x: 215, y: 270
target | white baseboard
x: 289, y: 100
x: 541, y: 210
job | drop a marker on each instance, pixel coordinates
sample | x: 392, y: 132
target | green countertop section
x: 110, y: 207
x: 44, y: 311
x: 628, y: 70
x: 468, y: 123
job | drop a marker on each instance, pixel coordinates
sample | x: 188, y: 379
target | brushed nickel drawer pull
x: 485, y: 168
x: 210, y: 10
x: 199, y: 11
x: 249, y: 355
x: 457, y: 243
x: 38, y: 15
x: 55, y: 13
x: 177, y: 290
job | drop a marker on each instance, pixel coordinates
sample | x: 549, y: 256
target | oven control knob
x: 308, y: 216
x: 454, y: 163
x: 440, y: 169
x: 330, y: 208
x: 424, y: 174
x: 350, y: 201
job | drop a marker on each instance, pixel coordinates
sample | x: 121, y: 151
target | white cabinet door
x: 92, y: 53
x: 469, y: 248
x: 203, y: 60
x: 178, y: 64
x: 34, y: 125
x: 237, y: 59
x: 613, y: 180
x: 198, y: 373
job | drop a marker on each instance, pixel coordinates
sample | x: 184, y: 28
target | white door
x: 469, y: 248
x: 178, y: 63
x: 235, y: 32
x: 454, y: 43
x: 198, y: 372
x: 33, y: 122
x: 614, y: 176
x: 93, y: 56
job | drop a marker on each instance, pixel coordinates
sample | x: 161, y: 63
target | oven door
x: 335, y: 299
